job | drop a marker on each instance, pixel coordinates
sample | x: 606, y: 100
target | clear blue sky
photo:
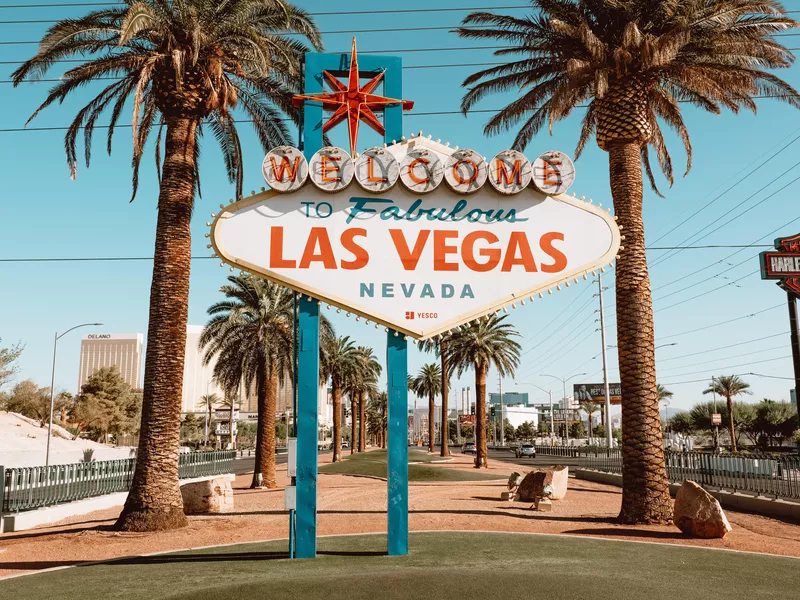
x: 47, y: 215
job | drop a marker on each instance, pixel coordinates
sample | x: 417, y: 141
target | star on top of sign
x: 353, y: 101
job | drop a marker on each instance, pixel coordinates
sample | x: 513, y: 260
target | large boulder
x: 532, y: 487
x: 209, y: 496
x: 698, y: 513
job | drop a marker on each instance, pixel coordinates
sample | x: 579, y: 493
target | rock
x: 510, y: 496
x: 209, y: 496
x: 698, y: 513
x: 532, y: 486
x: 543, y: 505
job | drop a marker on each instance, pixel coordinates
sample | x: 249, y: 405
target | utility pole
x: 475, y: 423
x: 716, y: 427
x: 502, y: 422
x: 606, y: 390
x: 795, y: 337
x: 458, y: 418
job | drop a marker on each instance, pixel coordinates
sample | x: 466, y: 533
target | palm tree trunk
x: 154, y: 502
x: 362, y: 422
x: 729, y: 399
x: 481, y: 449
x: 445, y: 410
x: 270, y: 478
x: 431, y: 424
x: 353, y: 423
x: 337, y: 421
x: 261, y: 446
x: 645, y: 490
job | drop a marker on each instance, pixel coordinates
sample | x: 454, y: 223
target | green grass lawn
x: 374, y: 464
x: 444, y: 566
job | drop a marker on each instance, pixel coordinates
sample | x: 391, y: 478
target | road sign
x: 566, y: 414
x: 716, y: 419
x: 596, y: 392
x: 419, y: 258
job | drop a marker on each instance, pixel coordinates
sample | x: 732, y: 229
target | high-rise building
x: 123, y: 350
x: 197, y: 378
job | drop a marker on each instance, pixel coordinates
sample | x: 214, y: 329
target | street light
x: 550, y: 396
x: 564, y: 383
x: 53, y: 383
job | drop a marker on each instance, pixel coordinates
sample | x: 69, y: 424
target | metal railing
x: 762, y: 475
x: 28, y: 488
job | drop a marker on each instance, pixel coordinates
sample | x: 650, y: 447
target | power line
x: 734, y: 282
x: 766, y: 337
x: 313, y: 14
x: 758, y: 362
x: 748, y: 316
x: 782, y: 347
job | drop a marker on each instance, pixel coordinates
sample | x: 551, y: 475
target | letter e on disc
x: 377, y: 170
x: 331, y: 169
x: 553, y: 173
x: 465, y: 171
x: 285, y: 169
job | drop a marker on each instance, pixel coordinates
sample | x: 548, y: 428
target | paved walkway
x: 358, y: 505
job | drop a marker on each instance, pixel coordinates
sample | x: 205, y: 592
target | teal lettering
x: 447, y: 290
x: 367, y: 290
x: 467, y: 292
x: 427, y: 291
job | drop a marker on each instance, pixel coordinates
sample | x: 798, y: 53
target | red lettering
x: 279, y: 172
x: 409, y: 257
x: 502, y: 173
x: 559, y: 260
x: 370, y: 173
x: 318, y: 236
x: 457, y: 175
x: 492, y: 254
x: 360, y: 256
x: 276, y: 260
x: 518, y: 244
x: 441, y: 250
x: 326, y: 169
x: 548, y: 171
x: 412, y: 176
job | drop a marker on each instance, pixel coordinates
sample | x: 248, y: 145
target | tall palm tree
x: 439, y: 345
x: 184, y: 66
x: 428, y: 382
x: 663, y: 393
x: 729, y: 386
x: 250, y: 334
x: 484, y: 343
x: 362, y: 383
x: 590, y: 408
x: 207, y: 403
x: 376, y: 418
x: 632, y: 62
x: 339, y: 363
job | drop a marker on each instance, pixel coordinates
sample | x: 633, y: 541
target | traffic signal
x: 472, y: 409
x: 492, y: 411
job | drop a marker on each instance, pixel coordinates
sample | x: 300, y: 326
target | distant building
x: 122, y: 350
x: 519, y: 414
x: 509, y: 398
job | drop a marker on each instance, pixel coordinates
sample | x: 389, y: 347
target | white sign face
x: 331, y: 169
x: 509, y: 172
x: 420, y: 265
x: 553, y: 173
x: 285, y: 169
x: 465, y: 171
x: 421, y: 171
x: 377, y: 170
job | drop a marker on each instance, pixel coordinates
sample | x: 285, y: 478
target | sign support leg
x: 795, y: 332
x: 397, y: 374
x: 308, y: 390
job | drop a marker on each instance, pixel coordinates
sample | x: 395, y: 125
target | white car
x: 526, y: 451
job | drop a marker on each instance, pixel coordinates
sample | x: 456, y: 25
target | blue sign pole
x: 307, y: 455
x: 397, y: 377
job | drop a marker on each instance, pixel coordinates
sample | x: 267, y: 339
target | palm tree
x: 590, y: 408
x: 363, y: 382
x: 729, y: 386
x: 479, y: 345
x: 250, y: 334
x: 207, y: 403
x: 663, y: 393
x: 632, y: 62
x: 428, y: 382
x: 339, y: 363
x: 184, y: 66
x: 376, y: 418
x: 439, y: 345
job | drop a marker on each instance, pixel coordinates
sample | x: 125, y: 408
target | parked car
x: 469, y: 448
x: 526, y: 450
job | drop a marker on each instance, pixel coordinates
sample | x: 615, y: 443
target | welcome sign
x: 418, y: 256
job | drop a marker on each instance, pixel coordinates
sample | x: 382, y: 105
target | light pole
x: 550, y: 396
x: 566, y: 414
x: 53, y: 383
x: 666, y: 418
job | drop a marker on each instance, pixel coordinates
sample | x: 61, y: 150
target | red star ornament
x: 353, y: 102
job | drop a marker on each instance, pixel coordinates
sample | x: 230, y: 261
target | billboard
x: 596, y: 392
x: 466, y: 420
x: 783, y: 263
x: 383, y: 237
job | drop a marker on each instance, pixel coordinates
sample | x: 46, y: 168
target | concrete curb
x: 761, y: 505
x: 50, y: 514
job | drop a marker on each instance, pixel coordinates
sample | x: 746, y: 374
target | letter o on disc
x: 553, y: 173
x: 285, y: 169
x: 331, y: 169
x: 421, y: 171
x: 465, y: 171
x: 377, y: 170
x: 509, y: 172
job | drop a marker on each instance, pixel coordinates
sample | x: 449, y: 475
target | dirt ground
x: 358, y: 505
